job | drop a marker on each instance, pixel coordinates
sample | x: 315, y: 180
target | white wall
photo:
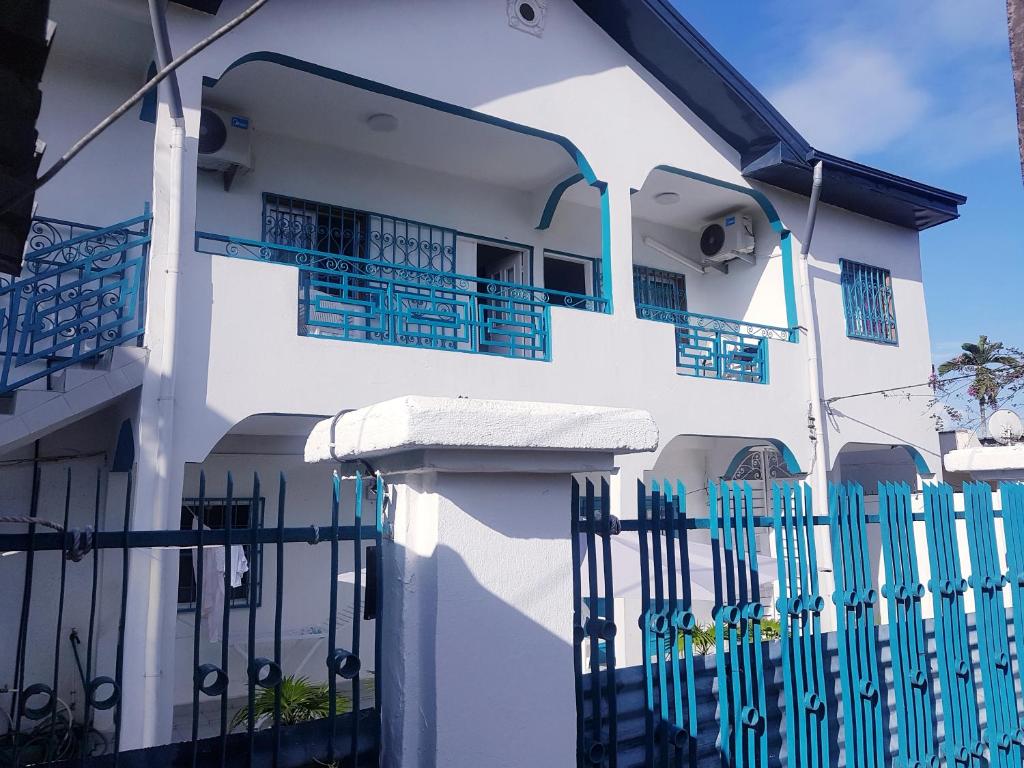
x: 850, y: 366
x: 112, y: 177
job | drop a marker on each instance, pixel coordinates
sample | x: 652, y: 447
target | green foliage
x: 993, y: 367
x: 704, y: 635
x: 301, y: 700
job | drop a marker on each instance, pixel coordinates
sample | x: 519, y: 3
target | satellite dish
x: 1005, y: 426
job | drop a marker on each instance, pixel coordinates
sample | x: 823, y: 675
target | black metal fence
x: 286, y: 719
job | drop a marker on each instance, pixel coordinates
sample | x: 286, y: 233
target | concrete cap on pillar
x: 458, y: 427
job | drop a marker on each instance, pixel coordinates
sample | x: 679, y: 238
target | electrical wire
x: 161, y: 75
x: 837, y: 398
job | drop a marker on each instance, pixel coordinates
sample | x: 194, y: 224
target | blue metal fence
x: 864, y: 694
x: 81, y: 292
x: 379, y: 302
x: 290, y: 726
x: 717, y: 347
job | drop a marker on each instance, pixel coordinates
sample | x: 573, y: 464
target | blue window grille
x: 868, y: 302
x: 214, y: 514
x: 659, y: 288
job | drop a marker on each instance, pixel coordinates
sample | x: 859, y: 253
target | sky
x: 920, y: 88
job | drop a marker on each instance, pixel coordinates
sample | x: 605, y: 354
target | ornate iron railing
x: 380, y: 302
x: 718, y: 347
x: 81, y: 292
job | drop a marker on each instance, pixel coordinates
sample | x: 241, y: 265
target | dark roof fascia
x: 771, y: 150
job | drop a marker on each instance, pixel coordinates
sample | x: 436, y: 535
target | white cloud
x: 928, y: 79
x: 852, y: 100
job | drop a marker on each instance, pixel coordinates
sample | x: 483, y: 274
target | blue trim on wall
x: 554, y: 198
x: 785, y: 241
x: 147, y: 113
x: 788, y: 458
x: 918, y: 459
x: 585, y: 170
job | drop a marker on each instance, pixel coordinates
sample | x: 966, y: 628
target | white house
x: 539, y: 200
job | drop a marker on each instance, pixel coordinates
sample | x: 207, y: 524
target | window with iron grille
x: 214, y: 514
x: 659, y: 288
x: 868, y: 302
x: 314, y: 226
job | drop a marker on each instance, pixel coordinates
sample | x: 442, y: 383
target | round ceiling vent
x: 212, y: 132
x: 712, y: 239
x: 527, y: 15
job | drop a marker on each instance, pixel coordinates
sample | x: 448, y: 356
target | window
x: 214, y: 514
x: 568, y: 273
x: 868, y: 302
x: 659, y: 288
x: 315, y: 226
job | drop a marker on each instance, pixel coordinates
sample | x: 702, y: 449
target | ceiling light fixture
x: 666, y: 198
x: 382, y: 122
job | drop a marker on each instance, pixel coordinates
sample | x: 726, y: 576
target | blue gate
x: 741, y: 653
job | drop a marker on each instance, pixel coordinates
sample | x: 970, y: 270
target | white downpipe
x: 166, y: 497
x: 816, y: 415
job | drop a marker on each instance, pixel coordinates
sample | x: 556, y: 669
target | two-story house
x: 336, y: 204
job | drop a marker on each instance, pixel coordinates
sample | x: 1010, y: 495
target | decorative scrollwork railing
x: 718, y: 347
x: 81, y: 292
x: 380, y: 302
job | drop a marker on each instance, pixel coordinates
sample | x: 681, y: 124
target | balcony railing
x: 717, y: 347
x: 80, y: 293
x: 380, y: 302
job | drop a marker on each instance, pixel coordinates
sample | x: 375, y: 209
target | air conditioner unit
x: 224, y: 141
x: 731, y: 237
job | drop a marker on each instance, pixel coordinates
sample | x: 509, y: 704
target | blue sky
x: 921, y: 88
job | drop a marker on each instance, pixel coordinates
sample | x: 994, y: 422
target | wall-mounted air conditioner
x: 731, y: 237
x: 224, y: 141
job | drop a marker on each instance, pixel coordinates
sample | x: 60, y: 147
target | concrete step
x: 77, y: 391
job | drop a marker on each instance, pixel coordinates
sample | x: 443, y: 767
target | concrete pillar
x: 476, y: 664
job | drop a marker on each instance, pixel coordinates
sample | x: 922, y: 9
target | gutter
x: 166, y: 497
x: 816, y: 407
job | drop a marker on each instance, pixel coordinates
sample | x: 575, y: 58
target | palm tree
x: 1015, y: 22
x: 992, y: 367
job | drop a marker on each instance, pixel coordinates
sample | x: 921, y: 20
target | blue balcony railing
x: 380, y: 302
x: 717, y: 347
x: 81, y: 292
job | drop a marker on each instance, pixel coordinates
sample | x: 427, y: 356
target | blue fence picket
x: 1012, y: 497
x: 1002, y: 728
x: 855, y: 599
x: 737, y: 613
x: 961, y: 743
x: 903, y: 593
x: 800, y: 605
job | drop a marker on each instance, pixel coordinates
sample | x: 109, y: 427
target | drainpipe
x: 816, y: 413
x: 166, y: 497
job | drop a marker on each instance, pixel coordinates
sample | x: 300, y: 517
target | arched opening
x: 255, y: 479
x: 871, y: 463
x: 412, y: 222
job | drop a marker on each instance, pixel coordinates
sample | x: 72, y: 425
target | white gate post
x: 476, y: 666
